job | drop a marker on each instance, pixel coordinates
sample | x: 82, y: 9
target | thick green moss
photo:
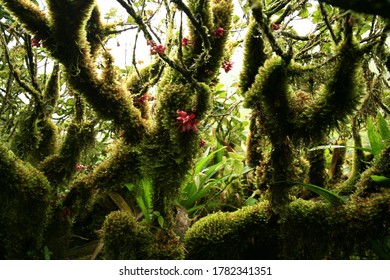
x: 30, y: 16
x: 24, y: 206
x: 305, y: 230
x: 207, y: 58
x: 272, y: 91
x: 337, y: 99
x: 317, y: 174
x: 61, y: 166
x: 139, y: 83
x: 365, y: 186
x: 254, y: 56
x: 125, y: 238
x: 166, y: 246
x: 243, y: 234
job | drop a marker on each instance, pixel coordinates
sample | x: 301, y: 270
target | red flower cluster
x: 227, y: 66
x: 80, y: 166
x: 218, y: 33
x: 143, y: 98
x: 154, y: 48
x: 35, y: 42
x: 187, y: 121
x: 185, y: 42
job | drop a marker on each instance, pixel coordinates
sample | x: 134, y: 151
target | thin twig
x: 326, y: 20
x: 198, y: 26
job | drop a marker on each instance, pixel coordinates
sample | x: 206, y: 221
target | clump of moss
x: 61, y: 166
x: 25, y: 196
x: 337, y: 99
x: 125, y: 238
x: 366, y: 185
x: 254, y: 55
x: 166, y: 246
x: 272, y: 91
x: 243, y: 234
x: 139, y: 82
x: 307, y: 229
x: 206, y: 57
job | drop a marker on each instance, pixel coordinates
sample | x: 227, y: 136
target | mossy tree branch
x: 64, y: 36
x: 25, y: 194
x: 263, y: 21
x: 255, y: 232
x: 197, y: 25
x: 31, y: 17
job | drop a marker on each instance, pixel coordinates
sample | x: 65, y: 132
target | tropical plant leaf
x: 383, y: 127
x: 382, y: 180
x: 144, y: 210
x: 326, y: 194
x: 203, y: 162
x: 374, y: 138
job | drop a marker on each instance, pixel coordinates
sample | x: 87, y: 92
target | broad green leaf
x: 374, y: 138
x: 160, y: 218
x: 383, y: 127
x: 238, y: 167
x: 190, y: 201
x: 250, y: 201
x: 236, y: 156
x: 144, y: 210
x: 382, y: 180
x: 203, y: 162
x: 160, y: 221
x: 326, y: 194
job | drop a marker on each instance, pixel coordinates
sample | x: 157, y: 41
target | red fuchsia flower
x: 143, y: 98
x: 35, y: 42
x: 185, y: 42
x: 154, y: 48
x: 227, y: 66
x: 157, y: 49
x: 218, y: 33
x: 80, y: 166
x: 187, y: 121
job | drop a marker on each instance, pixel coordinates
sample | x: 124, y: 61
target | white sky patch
x: 122, y: 45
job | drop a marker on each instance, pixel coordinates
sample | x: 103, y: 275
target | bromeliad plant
x: 215, y: 179
x: 143, y: 196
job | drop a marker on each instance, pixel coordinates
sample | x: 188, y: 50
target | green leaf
x: 374, y: 138
x: 160, y: 218
x: 381, y: 180
x: 326, y: 194
x: 236, y: 156
x: 250, y: 201
x: 383, y: 128
x: 144, y: 210
x: 160, y: 221
x: 130, y: 186
x: 304, y: 13
x: 203, y: 162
